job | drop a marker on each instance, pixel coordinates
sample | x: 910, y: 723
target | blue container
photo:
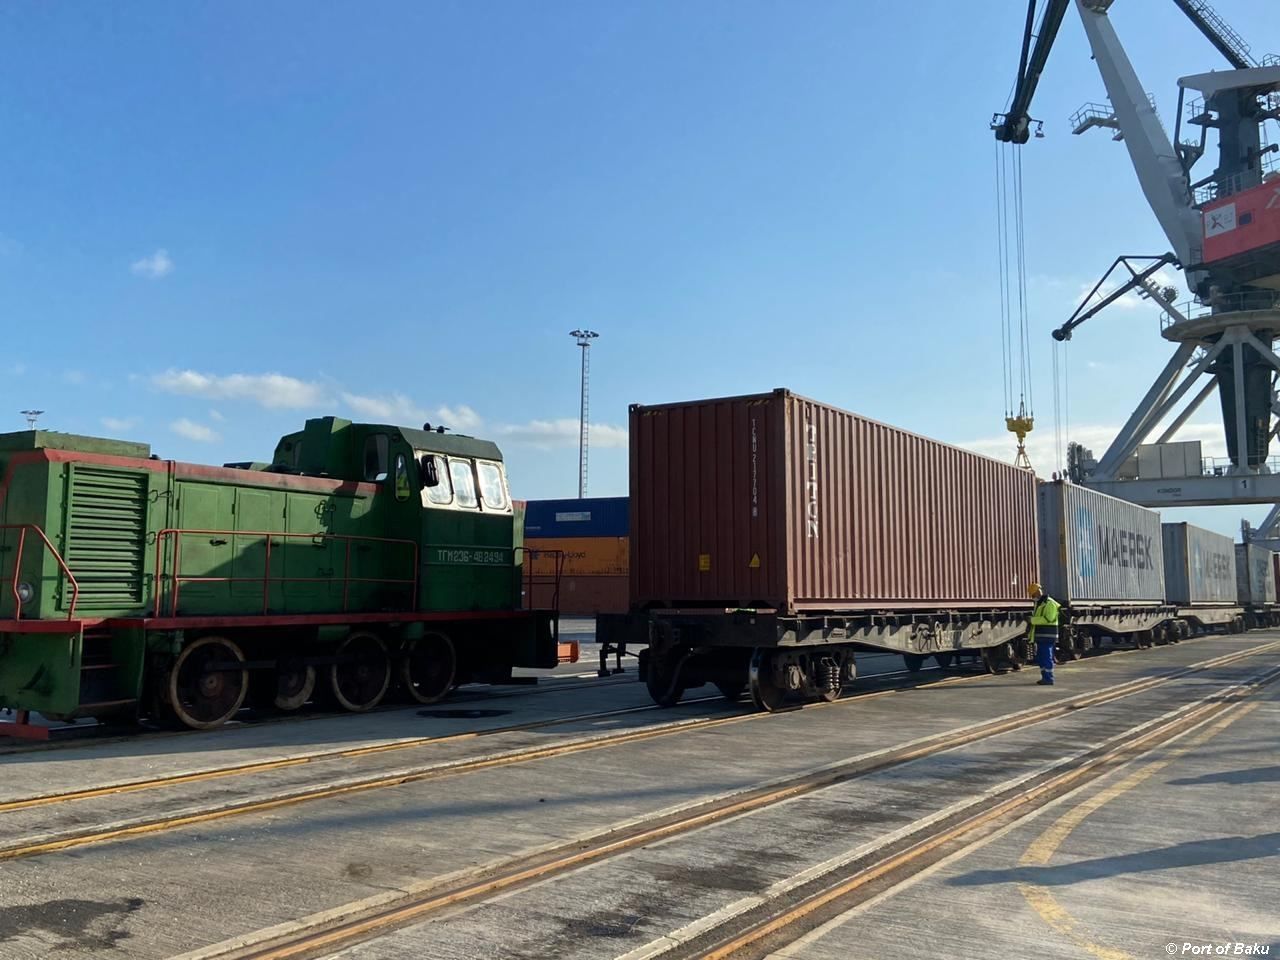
x: 590, y: 517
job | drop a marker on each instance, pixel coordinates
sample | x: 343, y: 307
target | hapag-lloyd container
x: 1255, y: 575
x: 776, y: 501
x: 1199, y: 565
x: 1098, y: 549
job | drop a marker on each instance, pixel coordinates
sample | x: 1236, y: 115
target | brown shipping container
x: 581, y: 596
x: 582, y: 556
x: 778, y: 501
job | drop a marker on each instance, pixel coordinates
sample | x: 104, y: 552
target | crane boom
x: 1218, y: 32
x: 1015, y: 126
x: 1160, y: 173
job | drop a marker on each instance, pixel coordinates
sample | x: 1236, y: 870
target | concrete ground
x: 184, y: 889
x: 1171, y: 854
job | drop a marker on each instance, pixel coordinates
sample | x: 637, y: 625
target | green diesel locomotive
x: 365, y: 558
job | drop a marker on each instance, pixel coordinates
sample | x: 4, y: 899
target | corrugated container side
x: 774, y: 500
x: 589, y: 517
x: 1199, y: 565
x: 1255, y: 575
x: 583, y: 556
x: 883, y: 515
x: 1099, y: 549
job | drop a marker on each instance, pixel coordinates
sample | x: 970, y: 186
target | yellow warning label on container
x: 704, y: 562
x: 755, y: 561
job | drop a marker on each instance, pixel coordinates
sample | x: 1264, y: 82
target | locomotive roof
x: 53, y: 440
x: 457, y: 444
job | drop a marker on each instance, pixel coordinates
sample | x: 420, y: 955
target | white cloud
x: 547, y: 434
x: 271, y: 390
x: 194, y: 431
x: 216, y: 416
x: 74, y: 377
x: 17, y: 369
x: 460, y: 417
x: 119, y: 423
x: 397, y: 408
x: 153, y: 267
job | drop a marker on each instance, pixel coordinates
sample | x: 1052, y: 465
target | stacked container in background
x: 592, y: 537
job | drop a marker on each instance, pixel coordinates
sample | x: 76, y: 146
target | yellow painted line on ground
x: 1044, y: 846
x: 817, y: 902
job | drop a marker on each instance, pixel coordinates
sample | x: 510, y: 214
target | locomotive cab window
x: 375, y: 458
x: 493, y: 485
x: 440, y: 494
x: 464, y: 484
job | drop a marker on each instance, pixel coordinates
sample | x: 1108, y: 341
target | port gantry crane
x: 1224, y: 230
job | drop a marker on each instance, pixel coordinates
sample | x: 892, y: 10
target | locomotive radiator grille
x: 106, y: 535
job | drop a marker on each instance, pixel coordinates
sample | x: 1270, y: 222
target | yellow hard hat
x: 1033, y: 589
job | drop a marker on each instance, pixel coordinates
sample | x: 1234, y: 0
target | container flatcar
x: 364, y: 557
x: 771, y: 534
x: 1200, y: 577
x: 1256, y: 585
x: 1102, y: 558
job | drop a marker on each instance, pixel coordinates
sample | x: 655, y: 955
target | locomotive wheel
x: 429, y: 667
x: 945, y: 661
x: 1070, y: 647
x: 207, y: 683
x: 731, y: 690
x: 295, y: 682
x: 765, y: 693
x: 360, y: 678
x: 914, y: 662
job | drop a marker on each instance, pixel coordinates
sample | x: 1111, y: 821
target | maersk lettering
x: 811, y: 481
x: 1124, y: 548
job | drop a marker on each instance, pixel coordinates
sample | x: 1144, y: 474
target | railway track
x: 874, y: 686
x: 107, y: 734
x: 934, y: 837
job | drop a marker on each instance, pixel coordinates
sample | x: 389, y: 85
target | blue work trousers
x: 1044, y: 657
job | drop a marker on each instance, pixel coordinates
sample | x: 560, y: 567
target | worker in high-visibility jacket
x: 1044, y: 631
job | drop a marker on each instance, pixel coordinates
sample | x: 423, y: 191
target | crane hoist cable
x: 1011, y: 241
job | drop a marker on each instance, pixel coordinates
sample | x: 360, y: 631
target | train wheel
x: 662, y: 679
x: 914, y: 662
x: 945, y: 661
x: 428, y: 667
x: 765, y: 693
x: 1068, y: 647
x: 207, y: 683
x: 998, y: 659
x: 360, y: 678
x: 732, y: 691
x: 295, y: 682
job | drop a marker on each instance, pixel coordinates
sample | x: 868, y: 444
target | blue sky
x: 221, y: 218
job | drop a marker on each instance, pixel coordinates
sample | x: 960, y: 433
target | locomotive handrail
x: 17, y: 567
x: 176, y: 579
x: 531, y: 579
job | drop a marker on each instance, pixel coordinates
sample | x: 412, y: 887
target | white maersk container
x: 1255, y: 576
x: 1199, y: 566
x: 1096, y: 549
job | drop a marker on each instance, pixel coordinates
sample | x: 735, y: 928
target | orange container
x: 583, y: 596
x: 583, y: 556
